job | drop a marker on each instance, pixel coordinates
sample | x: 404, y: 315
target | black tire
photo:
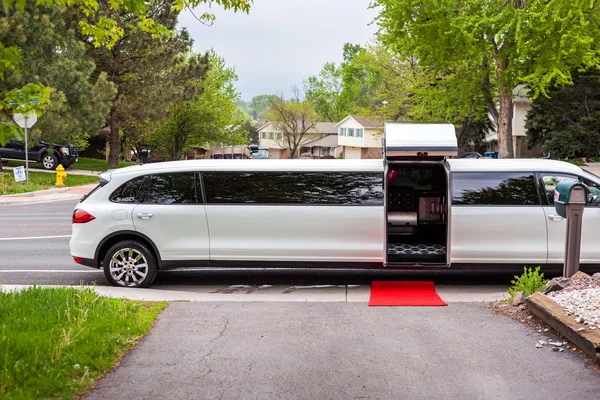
x: 130, y: 276
x: 49, y: 161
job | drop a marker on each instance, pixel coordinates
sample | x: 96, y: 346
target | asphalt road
x: 344, y: 351
x: 34, y: 248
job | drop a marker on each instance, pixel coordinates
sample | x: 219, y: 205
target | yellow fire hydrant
x: 60, y: 175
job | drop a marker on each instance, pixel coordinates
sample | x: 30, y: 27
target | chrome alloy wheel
x: 128, y: 267
x: 48, y: 162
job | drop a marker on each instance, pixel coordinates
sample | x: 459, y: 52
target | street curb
x: 266, y: 293
x: 554, y: 315
x: 40, y: 193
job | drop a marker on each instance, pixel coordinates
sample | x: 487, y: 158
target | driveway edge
x: 554, y: 315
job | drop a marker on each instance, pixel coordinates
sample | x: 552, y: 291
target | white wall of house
x: 520, y: 109
x: 373, y: 137
x: 338, y: 150
x: 351, y: 127
x: 352, y: 133
x: 270, y: 137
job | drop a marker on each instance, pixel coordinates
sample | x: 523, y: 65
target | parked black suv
x: 49, y: 155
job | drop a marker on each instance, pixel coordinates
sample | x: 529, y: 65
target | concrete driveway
x: 244, y: 350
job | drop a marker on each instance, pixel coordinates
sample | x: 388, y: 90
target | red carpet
x: 404, y: 294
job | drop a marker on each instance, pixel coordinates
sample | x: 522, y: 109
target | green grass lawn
x: 93, y: 164
x: 88, y: 164
x: 39, y: 181
x: 55, y: 342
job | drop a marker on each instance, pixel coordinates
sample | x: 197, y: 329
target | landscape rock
x: 580, y: 276
x: 518, y: 299
x: 556, y: 284
x: 596, y: 275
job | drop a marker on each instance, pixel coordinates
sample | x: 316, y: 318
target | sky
x: 282, y: 42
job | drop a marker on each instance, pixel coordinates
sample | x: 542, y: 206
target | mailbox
x: 570, y: 199
x: 569, y: 193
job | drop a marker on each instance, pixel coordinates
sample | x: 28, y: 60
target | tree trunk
x: 0, y: 164
x: 114, y: 149
x: 505, y: 116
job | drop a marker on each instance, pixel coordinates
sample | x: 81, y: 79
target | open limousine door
x: 417, y: 193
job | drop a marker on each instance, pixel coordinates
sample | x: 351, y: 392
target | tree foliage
x: 211, y: 118
x: 567, y: 123
x: 150, y: 75
x: 347, y: 88
x: 100, y: 22
x: 296, y: 120
x: 326, y: 92
x: 485, y: 48
x: 80, y: 99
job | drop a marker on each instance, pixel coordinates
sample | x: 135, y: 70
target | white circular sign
x: 20, y: 119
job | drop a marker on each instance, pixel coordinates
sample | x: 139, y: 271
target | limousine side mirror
x: 569, y: 193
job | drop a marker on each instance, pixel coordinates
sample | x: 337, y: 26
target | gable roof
x: 366, y: 122
x: 261, y: 124
x: 326, y: 128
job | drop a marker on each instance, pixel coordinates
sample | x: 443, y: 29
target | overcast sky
x: 282, y: 42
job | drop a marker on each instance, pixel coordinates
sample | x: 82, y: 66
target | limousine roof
x: 328, y: 165
x: 516, y: 164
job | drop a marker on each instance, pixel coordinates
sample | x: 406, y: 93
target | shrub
x: 529, y: 282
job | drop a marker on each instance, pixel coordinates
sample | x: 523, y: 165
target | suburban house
x: 319, y: 142
x: 521, y: 105
x: 353, y: 137
x: 324, y: 145
x: 359, y: 137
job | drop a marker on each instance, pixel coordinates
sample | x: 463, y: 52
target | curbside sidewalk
x: 55, y: 194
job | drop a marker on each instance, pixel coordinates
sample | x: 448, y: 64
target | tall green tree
x: 80, y: 99
x: 326, y: 92
x: 103, y: 29
x: 212, y: 118
x: 567, y: 123
x: 488, y: 47
x: 347, y: 88
x: 173, y: 76
x: 147, y: 72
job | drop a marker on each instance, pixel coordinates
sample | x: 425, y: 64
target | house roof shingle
x: 326, y: 128
x: 366, y: 122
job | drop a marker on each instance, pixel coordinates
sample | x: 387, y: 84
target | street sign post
x: 26, y: 121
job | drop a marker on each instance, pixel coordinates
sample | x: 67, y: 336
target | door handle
x: 144, y: 215
x: 555, y: 217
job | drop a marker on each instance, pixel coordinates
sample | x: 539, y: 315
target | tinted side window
x: 293, y: 188
x: 494, y: 188
x: 551, y: 180
x: 128, y: 192
x: 177, y: 188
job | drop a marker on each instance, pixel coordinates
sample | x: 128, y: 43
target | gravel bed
x: 582, y: 299
x: 584, y: 303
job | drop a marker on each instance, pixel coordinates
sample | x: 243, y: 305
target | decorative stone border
x: 554, y: 315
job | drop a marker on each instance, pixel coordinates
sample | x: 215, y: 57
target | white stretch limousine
x: 429, y: 211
